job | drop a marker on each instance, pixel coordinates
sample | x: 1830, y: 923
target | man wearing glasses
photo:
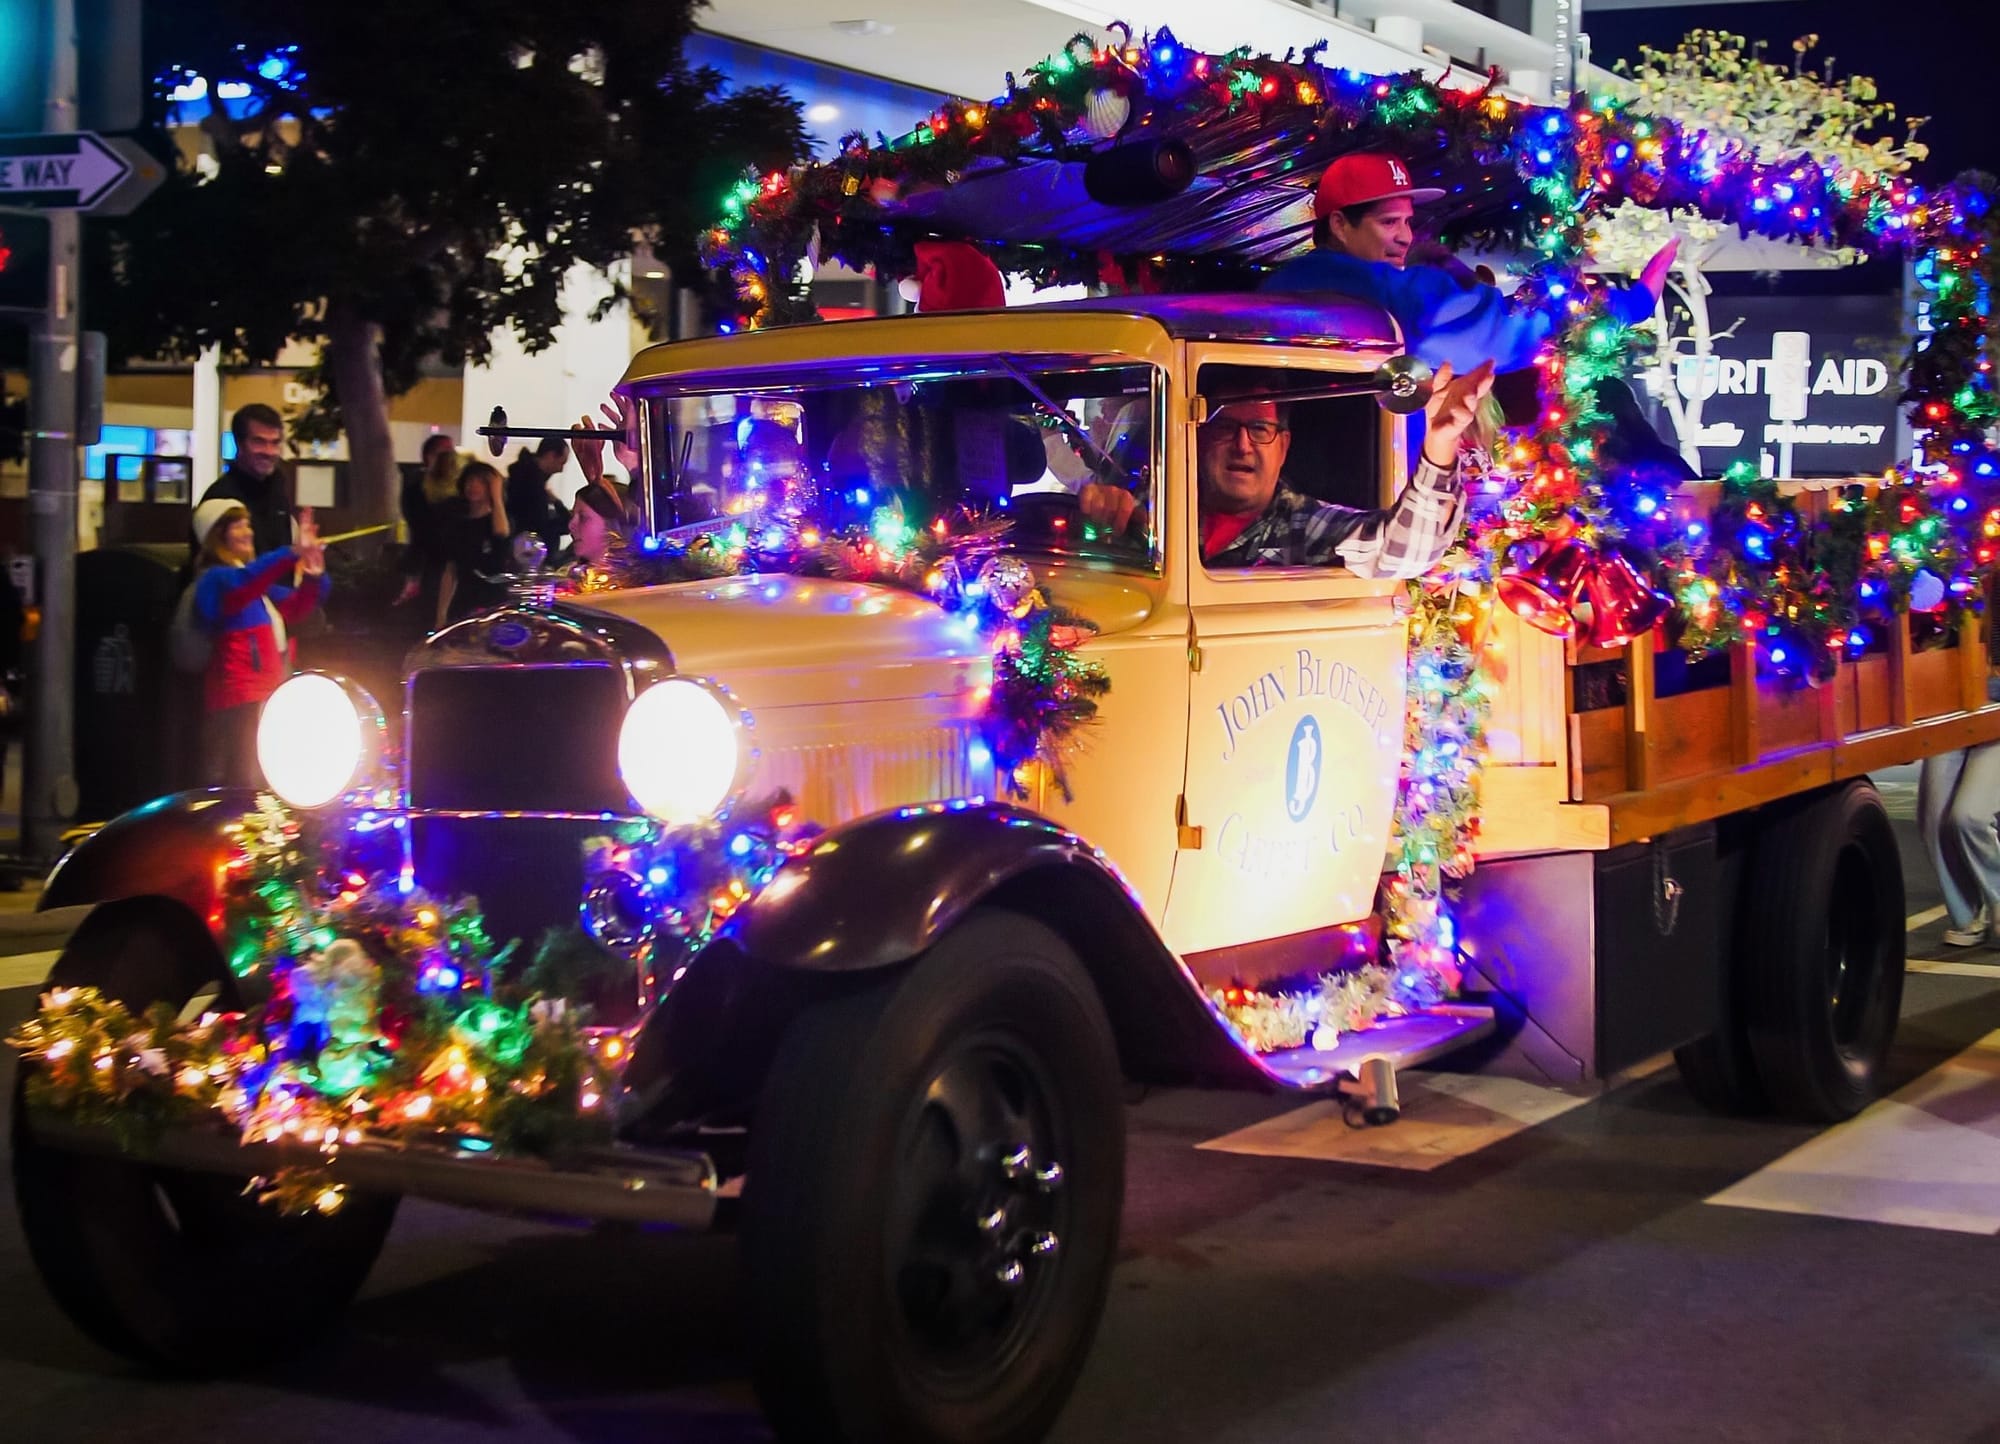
x: 1250, y: 518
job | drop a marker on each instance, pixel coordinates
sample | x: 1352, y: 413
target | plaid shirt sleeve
x: 1402, y: 541
x: 1407, y: 539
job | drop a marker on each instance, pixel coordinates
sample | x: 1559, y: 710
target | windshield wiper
x: 1095, y: 457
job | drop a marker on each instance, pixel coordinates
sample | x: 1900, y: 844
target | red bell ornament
x: 1623, y: 604
x: 1542, y: 593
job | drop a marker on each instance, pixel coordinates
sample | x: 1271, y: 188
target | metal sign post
x: 48, y: 792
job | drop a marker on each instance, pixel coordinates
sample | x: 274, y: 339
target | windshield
x: 1001, y: 440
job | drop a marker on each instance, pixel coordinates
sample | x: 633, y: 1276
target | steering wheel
x: 1058, y: 516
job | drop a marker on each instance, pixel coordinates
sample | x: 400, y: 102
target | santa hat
x: 957, y: 276
x: 211, y: 513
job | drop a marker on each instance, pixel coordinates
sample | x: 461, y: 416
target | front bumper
x: 614, y: 1183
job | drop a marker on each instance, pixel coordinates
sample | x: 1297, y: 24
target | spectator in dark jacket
x: 530, y: 508
x: 476, y: 545
x: 255, y: 479
x: 248, y: 604
x: 429, y: 497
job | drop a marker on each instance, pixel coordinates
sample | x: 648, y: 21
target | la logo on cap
x: 1396, y: 172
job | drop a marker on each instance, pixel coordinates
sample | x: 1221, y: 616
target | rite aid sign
x: 1808, y: 371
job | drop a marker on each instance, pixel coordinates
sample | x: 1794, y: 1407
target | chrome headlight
x: 684, y: 751
x: 318, y: 738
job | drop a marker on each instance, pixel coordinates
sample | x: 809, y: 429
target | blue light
x: 1755, y: 543
x: 1694, y: 530
x: 649, y: 544
x: 1646, y: 505
x: 861, y: 496
x: 1544, y: 156
x: 727, y: 328
x: 1165, y: 55
x: 739, y: 845
x: 1959, y: 503
x: 1621, y: 152
x: 448, y: 978
x: 1779, y: 655
x: 1857, y: 638
x: 978, y: 756
x: 657, y: 876
x: 1553, y: 125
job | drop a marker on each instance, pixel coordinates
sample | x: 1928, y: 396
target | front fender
x: 171, y: 847
x: 878, y: 891
x: 873, y: 895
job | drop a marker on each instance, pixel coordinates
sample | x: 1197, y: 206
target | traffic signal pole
x: 48, y: 790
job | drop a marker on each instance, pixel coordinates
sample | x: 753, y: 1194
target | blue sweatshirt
x: 1442, y: 320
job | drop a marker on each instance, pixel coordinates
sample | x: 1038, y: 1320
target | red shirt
x: 1220, y: 528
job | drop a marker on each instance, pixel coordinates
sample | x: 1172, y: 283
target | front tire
x: 143, y: 1259
x: 936, y: 1169
x: 1822, y: 952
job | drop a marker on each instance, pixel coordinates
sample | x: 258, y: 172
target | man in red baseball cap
x: 1362, y: 234
x: 1365, y: 205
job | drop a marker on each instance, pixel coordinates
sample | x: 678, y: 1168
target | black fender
x: 172, y: 847
x: 874, y: 894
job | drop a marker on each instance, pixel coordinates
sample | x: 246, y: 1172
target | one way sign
x: 59, y: 172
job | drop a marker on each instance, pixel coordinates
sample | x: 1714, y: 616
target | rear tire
x: 1822, y: 952
x: 907, y: 1279
x: 141, y: 1258
x: 1721, y: 1073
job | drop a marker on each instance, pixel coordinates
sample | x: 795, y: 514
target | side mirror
x: 1403, y: 385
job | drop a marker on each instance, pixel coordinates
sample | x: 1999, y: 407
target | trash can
x: 135, y: 716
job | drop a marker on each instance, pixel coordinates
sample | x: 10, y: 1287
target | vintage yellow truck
x: 897, y: 1066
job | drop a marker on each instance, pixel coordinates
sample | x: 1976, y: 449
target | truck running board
x: 1406, y: 1042
x: 676, y: 1189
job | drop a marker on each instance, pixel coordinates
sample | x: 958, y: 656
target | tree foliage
x: 1721, y: 83
x: 431, y: 169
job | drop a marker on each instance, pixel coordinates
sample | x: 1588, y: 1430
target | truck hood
x: 780, y: 640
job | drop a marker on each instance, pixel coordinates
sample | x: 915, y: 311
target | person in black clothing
x: 255, y: 478
x: 475, y: 545
x: 530, y: 508
x: 429, y: 495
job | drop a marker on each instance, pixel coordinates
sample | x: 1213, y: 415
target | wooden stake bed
x: 1588, y: 753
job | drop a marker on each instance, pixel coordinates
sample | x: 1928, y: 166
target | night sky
x: 1928, y: 57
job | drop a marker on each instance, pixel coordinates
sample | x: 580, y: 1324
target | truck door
x: 1294, y: 740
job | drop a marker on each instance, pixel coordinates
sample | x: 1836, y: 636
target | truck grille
x: 517, y: 739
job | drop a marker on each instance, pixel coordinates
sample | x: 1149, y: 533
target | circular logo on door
x: 1302, y: 764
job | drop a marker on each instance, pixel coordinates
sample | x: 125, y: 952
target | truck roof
x: 1143, y: 327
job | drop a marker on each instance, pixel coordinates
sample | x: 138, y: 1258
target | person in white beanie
x: 247, y: 604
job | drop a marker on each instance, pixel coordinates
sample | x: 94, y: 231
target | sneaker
x: 1968, y: 937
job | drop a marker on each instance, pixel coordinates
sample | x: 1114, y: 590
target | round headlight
x: 682, y: 751
x: 317, y: 737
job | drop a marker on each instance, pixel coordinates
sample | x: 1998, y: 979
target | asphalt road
x: 1569, y: 1282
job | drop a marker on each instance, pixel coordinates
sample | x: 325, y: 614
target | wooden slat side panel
x: 1691, y: 734
x: 1531, y: 693
x: 1600, y: 741
x: 1934, y: 683
x: 1524, y: 810
x: 1788, y: 717
x: 1871, y: 694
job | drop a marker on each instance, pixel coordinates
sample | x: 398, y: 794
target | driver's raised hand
x: 1453, y: 405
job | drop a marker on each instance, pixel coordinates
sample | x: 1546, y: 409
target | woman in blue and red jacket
x: 247, y: 604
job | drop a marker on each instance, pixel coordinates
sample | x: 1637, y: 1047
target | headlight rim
x: 371, y: 723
